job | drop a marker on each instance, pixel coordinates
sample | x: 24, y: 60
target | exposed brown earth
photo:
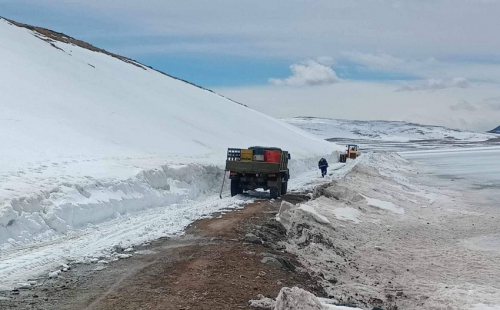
x: 211, y: 267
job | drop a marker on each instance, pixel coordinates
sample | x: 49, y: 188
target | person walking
x: 323, y: 165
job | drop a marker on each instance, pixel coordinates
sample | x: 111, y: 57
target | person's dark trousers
x: 323, y: 171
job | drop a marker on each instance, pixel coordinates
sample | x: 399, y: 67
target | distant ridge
x: 399, y: 131
x: 496, y: 130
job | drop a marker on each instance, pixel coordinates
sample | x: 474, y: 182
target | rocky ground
x: 220, y: 263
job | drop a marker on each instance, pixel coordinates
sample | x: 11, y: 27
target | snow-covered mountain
x: 383, y: 130
x: 87, y: 136
x: 496, y: 130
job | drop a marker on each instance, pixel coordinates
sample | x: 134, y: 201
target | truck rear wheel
x: 284, y: 187
x: 235, y: 187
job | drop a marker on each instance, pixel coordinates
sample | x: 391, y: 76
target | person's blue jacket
x: 322, y: 163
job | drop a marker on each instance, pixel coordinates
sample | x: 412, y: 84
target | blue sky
x: 219, y: 69
x: 371, y: 54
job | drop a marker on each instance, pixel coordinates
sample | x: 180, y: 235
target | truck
x: 258, y: 167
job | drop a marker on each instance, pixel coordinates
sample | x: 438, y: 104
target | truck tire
x: 235, y: 187
x: 284, y: 188
x: 273, y: 192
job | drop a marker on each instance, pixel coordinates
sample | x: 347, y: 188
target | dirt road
x: 211, y: 267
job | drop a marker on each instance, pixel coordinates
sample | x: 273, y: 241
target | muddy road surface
x: 215, y: 265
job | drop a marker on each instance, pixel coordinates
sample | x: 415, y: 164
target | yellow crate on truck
x: 246, y: 155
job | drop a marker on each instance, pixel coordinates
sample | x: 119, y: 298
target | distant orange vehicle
x: 351, y: 152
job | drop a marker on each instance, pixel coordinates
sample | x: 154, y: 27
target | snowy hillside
x: 87, y: 136
x: 496, y: 130
x: 383, y: 130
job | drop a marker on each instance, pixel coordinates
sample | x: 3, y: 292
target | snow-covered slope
x: 496, y: 130
x: 87, y: 136
x: 382, y: 130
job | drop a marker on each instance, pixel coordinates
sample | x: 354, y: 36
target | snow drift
x: 87, y: 136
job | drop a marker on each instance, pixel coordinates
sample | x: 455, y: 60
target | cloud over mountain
x: 310, y: 72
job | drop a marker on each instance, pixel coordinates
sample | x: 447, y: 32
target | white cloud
x: 372, y: 100
x: 310, y: 72
x: 436, y: 84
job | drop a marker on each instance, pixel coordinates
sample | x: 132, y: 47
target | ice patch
x: 347, y: 214
x: 386, y: 205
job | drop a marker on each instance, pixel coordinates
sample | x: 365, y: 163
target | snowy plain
x: 382, y: 130
x: 99, y: 152
x: 392, y: 136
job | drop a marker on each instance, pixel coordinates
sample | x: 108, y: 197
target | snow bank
x: 73, y: 206
x: 382, y: 249
x: 326, y: 250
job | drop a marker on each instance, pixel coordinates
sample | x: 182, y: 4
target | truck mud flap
x: 272, y: 183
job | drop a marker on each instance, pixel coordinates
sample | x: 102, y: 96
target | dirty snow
x: 426, y: 258
x: 295, y: 298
